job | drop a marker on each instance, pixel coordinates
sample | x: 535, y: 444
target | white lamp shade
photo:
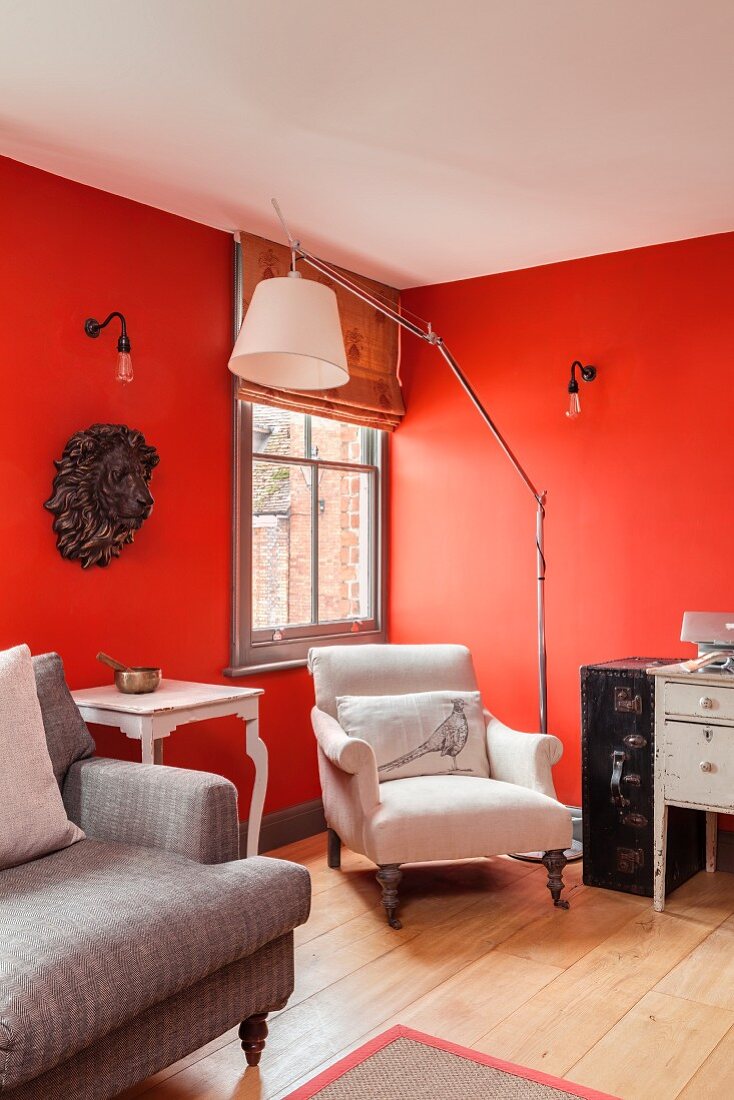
x: 291, y: 338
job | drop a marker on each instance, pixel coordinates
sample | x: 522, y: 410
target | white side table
x: 149, y: 718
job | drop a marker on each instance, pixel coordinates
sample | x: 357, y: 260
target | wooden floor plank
x: 594, y: 915
x: 560, y: 1024
x: 320, y: 962
x: 653, y: 1051
x: 427, y: 892
x: 707, y: 974
x: 477, y: 998
x: 714, y: 1080
x: 324, y: 877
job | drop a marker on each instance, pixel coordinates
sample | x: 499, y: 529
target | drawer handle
x: 705, y: 703
x: 705, y: 766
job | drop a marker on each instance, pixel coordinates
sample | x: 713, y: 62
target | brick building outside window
x: 310, y: 535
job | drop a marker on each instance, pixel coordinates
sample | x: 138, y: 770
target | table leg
x: 712, y: 829
x: 258, y: 753
x: 660, y: 837
x: 158, y: 750
x: 146, y: 740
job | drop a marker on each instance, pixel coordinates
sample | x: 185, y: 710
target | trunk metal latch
x: 629, y: 859
x: 627, y: 702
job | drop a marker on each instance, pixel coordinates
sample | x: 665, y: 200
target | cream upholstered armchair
x: 432, y: 817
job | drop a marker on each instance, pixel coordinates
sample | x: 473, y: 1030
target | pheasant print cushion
x: 430, y: 733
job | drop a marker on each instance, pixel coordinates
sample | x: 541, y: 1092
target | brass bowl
x: 137, y: 681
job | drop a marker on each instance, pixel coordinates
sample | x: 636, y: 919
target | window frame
x: 250, y: 651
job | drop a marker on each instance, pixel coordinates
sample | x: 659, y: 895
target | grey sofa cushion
x: 67, y: 736
x: 95, y: 934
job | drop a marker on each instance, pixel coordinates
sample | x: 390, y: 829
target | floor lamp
x: 291, y: 338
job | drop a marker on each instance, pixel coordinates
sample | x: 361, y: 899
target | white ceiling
x: 415, y: 140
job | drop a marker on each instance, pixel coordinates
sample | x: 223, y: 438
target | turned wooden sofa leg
x: 554, y: 862
x: 253, y: 1032
x: 333, y: 849
x: 389, y: 876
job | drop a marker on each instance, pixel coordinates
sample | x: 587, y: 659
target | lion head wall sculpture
x: 100, y: 493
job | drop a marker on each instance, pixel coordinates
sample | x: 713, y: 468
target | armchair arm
x: 350, y: 754
x: 193, y: 814
x: 522, y: 758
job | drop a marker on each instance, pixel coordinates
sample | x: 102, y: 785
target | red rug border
x: 399, y: 1031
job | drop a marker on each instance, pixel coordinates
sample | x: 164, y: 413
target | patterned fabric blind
x: 372, y: 397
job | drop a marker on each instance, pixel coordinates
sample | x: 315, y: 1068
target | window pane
x: 281, y: 545
x: 332, y: 440
x: 345, y: 539
x: 278, y: 432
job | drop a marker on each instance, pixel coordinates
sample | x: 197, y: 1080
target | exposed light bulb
x: 124, y: 371
x: 124, y: 367
x: 588, y: 374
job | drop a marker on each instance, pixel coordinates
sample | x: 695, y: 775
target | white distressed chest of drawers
x: 694, y: 755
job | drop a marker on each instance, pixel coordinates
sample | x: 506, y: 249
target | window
x: 309, y: 559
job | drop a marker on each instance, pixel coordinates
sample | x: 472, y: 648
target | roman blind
x: 372, y: 397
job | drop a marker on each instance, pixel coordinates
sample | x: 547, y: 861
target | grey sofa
x: 134, y: 947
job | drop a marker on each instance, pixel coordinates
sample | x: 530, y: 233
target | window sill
x: 299, y: 659
x: 234, y: 672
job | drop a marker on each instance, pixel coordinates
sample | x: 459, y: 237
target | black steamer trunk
x: 618, y: 759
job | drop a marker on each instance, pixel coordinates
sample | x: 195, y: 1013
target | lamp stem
x: 430, y: 337
x: 542, y: 653
x: 540, y: 498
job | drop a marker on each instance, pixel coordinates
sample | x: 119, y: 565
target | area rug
x: 402, y: 1064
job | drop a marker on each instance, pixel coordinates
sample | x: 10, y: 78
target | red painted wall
x: 69, y: 252
x: 640, y: 521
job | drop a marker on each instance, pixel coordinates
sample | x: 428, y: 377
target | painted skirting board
x: 288, y: 825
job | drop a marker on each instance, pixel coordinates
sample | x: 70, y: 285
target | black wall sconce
x: 588, y: 374
x: 124, y: 371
